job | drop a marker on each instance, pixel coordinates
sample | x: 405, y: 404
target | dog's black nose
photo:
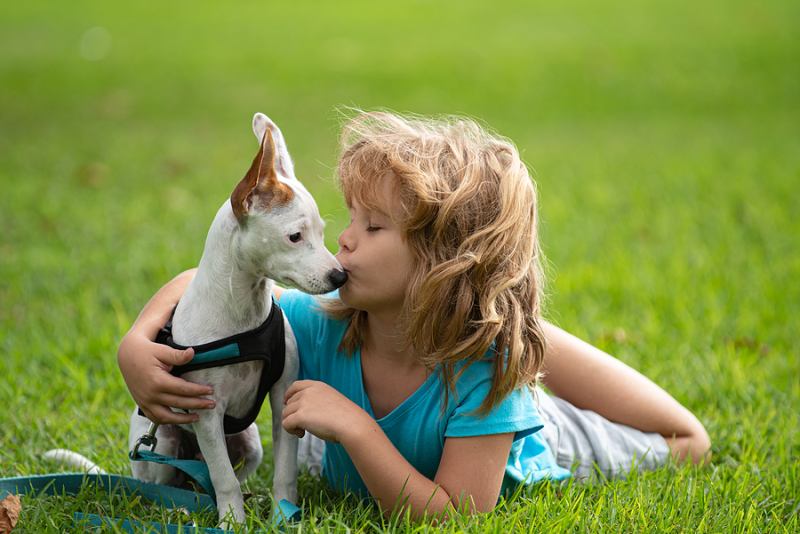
x: 337, y: 277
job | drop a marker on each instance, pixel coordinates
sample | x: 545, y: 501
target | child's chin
x: 345, y: 294
x: 349, y: 297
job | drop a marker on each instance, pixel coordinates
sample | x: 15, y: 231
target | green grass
x: 665, y: 141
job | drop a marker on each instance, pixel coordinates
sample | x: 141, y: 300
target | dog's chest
x: 235, y: 385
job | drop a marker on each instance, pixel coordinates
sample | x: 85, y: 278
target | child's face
x: 377, y: 259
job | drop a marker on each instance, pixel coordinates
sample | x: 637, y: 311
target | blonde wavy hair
x: 468, y: 213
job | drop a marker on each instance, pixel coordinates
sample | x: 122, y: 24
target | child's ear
x: 283, y: 162
x: 260, y: 188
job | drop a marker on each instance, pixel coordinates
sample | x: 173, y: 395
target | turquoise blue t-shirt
x: 417, y: 427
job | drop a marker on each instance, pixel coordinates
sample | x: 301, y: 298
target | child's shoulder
x: 474, y: 380
x: 515, y: 412
x: 293, y: 298
x: 474, y: 376
x: 295, y: 302
x: 305, y: 314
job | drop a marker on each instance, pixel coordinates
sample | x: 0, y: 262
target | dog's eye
x: 295, y: 238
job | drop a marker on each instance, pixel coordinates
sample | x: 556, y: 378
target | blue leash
x: 71, y: 484
x: 171, y: 497
x: 198, y: 471
x: 195, y: 469
x: 132, y: 527
x: 168, y: 496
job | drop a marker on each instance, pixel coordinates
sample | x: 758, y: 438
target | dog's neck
x: 224, y: 298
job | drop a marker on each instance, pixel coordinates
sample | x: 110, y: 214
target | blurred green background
x: 663, y: 137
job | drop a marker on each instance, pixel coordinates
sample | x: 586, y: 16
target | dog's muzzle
x: 337, y: 278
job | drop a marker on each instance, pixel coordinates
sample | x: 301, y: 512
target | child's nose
x: 346, y: 240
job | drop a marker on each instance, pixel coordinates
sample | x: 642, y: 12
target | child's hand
x: 145, y: 367
x: 318, y: 408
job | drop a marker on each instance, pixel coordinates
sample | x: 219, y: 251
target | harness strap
x: 266, y: 344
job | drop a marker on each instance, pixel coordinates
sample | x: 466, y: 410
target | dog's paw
x: 230, y: 515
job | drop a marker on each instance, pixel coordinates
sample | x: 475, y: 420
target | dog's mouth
x: 289, y: 281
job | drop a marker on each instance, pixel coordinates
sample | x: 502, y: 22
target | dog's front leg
x: 211, y: 439
x: 284, y: 445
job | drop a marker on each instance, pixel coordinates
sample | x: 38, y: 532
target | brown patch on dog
x: 260, y: 187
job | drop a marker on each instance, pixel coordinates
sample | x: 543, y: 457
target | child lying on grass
x: 421, y: 373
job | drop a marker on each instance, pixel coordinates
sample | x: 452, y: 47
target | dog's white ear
x: 260, y: 188
x: 283, y: 162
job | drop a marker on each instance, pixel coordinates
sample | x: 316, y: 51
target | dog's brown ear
x: 260, y: 186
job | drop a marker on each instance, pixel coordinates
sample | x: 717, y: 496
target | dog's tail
x: 73, y: 459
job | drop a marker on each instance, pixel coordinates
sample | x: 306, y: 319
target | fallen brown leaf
x: 9, y: 513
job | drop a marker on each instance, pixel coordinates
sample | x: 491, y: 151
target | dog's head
x: 280, y: 230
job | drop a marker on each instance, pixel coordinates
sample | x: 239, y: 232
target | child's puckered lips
x: 345, y: 266
x: 348, y: 272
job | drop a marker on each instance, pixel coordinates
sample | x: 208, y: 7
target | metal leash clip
x: 148, y: 439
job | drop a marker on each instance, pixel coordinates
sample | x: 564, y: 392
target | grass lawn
x: 665, y: 140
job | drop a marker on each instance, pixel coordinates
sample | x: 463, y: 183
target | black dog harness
x: 266, y: 343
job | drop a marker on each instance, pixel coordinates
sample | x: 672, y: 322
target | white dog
x: 269, y: 230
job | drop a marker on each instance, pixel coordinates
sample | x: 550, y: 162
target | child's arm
x: 469, y: 476
x: 470, y: 472
x: 591, y: 379
x: 145, y: 365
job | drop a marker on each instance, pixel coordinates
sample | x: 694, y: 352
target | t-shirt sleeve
x: 516, y: 413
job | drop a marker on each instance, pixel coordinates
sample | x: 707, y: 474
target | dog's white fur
x: 232, y: 293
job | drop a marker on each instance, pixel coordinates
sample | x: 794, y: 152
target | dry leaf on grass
x: 9, y: 513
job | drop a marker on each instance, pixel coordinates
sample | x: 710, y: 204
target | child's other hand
x: 145, y: 366
x: 318, y: 408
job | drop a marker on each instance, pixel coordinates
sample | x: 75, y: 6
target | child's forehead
x: 370, y: 204
x: 379, y: 195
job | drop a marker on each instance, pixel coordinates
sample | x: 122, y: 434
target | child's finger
x: 186, y: 403
x: 172, y: 357
x: 290, y: 426
x: 290, y: 398
x: 173, y: 385
x: 164, y: 416
x: 297, y: 386
x: 288, y: 410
